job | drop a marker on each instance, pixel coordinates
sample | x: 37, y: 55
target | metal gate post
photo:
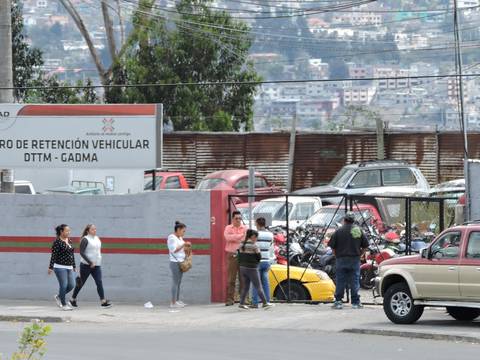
x: 288, y: 247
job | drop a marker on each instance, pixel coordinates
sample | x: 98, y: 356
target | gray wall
x: 127, y: 277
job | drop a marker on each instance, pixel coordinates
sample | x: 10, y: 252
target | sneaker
x: 267, y: 306
x: 337, y: 305
x: 67, y: 307
x: 106, y: 305
x: 175, y: 306
x: 57, y: 300
x: 254, y: 306
x: 244, y: 307
x: 181, y: 303
x: 357, y: 306
x: 73, y: 303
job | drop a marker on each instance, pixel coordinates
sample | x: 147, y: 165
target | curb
x: 414, y: 335
x: 46, y: 319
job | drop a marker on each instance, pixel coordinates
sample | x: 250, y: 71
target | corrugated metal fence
x: 318, y: 156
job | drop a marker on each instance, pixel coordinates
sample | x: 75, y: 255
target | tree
x: 199, y: 46
x: 27, y: 62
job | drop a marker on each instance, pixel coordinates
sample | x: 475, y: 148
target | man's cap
x: 349, y: 216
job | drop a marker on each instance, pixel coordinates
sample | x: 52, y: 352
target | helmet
x: 349, y: 216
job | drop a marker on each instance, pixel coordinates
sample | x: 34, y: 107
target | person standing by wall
x: 90, y: 264
x: 234, y: 234
x: 176, y: 249
x: 265, y: 244
x: 249, y: 257
x: 62, y: 263
x: 348, y: 242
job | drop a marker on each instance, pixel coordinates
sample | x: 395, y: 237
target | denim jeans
x: 263, y: 270
x: 348, y: 272
x: 66, y: 282
x: 85, y: 272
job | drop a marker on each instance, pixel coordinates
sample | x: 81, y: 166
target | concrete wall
x: 131, y: 226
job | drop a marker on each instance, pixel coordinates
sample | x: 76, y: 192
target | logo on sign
x: 108, y: 125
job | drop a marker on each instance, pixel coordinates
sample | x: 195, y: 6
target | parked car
x: 24, y: 187
x: 305, y: 284
x: 445, y: 274
x: 244, y: 209
x: 79, y: 188
x: 450, y: 189
x: 359, y: 178
x: 165, y: 180
x: 334, y: 214
x: 238, y: 180
x: 301, y: 208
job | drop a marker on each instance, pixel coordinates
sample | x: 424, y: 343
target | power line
x: 233, y: 83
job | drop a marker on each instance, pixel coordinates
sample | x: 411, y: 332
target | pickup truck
x: 446, y: 274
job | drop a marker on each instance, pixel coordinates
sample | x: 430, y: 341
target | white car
x: 24, y: 187
x: 301, y: 208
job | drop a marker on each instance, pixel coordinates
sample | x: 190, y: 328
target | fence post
x: 288, y: 248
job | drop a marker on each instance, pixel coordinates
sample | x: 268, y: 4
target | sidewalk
x: 435, y: 323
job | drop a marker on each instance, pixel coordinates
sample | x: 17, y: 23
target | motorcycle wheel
x: 366, y: 277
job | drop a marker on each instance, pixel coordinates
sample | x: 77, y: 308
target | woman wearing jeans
x: 176, y: 249
x: 62, y: 262
x: 248, y: 258
x: 90, y: 264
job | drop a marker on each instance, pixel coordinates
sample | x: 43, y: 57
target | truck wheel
x: 463, y: 314
x: 398, y: 305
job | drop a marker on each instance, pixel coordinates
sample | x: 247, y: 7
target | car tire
x: 298, y: 292
x: 366, y: 278
x: 463, y: 314
x: 398, y: 305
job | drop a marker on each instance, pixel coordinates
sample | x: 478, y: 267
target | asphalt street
x: 70, y: 341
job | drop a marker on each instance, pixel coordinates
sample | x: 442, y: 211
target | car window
x: 173, y: 182
x: 22, y: 189
x: 447, y: 247
x: 392, y: 177
x: 303, y: 211
x: 473, y: 249
x: 364, y: 179
x: 207, y: 184
x: 260, y: 182
x: 149, y: 183
x: 341, y: 179
x: 242, y: 183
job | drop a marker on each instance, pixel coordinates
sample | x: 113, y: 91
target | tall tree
x: 27, y: 63
x: 198, y: 46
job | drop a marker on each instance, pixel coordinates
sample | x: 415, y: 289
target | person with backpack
x: 348, y: 243
x: 90, y: 264
x: 62, y: 263
x: 249, y: 257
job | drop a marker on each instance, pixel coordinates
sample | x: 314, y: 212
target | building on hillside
x: 358, y: 95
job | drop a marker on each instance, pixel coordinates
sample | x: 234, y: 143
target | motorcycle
x: 373, y: 258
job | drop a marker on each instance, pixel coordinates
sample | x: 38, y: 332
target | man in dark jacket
x: 348, y: 243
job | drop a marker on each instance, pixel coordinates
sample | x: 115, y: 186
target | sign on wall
x: 80, y: 136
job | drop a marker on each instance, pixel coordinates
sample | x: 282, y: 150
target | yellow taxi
x: 305, y: 284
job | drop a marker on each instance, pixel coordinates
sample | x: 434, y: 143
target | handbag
x: 186, y: 264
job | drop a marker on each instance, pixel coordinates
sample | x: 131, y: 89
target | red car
x: 238, y: 180
x: 165, y: 180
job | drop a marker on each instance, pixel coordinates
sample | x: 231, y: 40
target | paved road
x: 109, y: 341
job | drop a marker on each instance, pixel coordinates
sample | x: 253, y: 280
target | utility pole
x: 461, y: 108
x: 291, y: 153
x: 6, y: 76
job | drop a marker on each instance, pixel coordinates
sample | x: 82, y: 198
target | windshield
x: 327, y: 216
x: 276, y: 208
x: 341, y: 179
x: 149, y: 183
x: 207, y: 184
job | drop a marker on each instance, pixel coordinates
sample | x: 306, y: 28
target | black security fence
x: 304, y: 266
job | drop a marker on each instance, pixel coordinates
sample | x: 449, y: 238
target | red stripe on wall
x: 87, y: 110
x: 105, y: 251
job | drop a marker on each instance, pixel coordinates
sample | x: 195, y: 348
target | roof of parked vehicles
x: 230, y: 175
x: 294, y: 199
x: 380, y: 163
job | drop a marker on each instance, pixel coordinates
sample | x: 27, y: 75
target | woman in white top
x: 176, y: 250
x: 90, y: 264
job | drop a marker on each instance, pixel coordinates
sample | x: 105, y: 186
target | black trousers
x: 85, y: 272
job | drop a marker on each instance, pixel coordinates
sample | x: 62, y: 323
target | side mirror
x: 424, y: 253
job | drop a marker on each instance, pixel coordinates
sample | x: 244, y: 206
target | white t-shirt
x: 173, y: 243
